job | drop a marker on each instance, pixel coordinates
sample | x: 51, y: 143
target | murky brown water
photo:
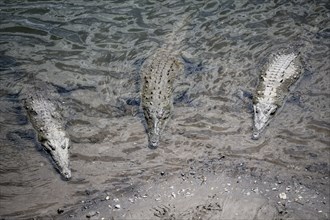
x: 92, y: 51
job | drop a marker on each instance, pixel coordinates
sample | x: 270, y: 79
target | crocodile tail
x: 179, y: 33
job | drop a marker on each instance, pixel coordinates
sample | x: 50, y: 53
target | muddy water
x: 92, y: 52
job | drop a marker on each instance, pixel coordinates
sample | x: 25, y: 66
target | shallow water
x: 92, y: 53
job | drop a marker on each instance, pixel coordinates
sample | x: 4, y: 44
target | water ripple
x: 91, y: 52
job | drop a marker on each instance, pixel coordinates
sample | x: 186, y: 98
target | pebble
x: 91, y: 214
x: 181, y: 132
x: 60, y: 211
x: 107, y: 198
x: 282, y: 195
x: 256, y: 190
x: 117, y: 206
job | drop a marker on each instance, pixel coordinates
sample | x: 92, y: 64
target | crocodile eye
x: 34, y: 113
x: 272, y: 111
x: 49, y: 146
x: 166, y: 114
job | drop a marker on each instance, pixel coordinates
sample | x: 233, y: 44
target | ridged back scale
x: 158, y: 75
x: 280, y: 74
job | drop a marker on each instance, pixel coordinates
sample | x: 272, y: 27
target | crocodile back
x: 158, y: 75
x: 278, y: 76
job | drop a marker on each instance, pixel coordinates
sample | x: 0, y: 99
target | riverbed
x: 92, y: 52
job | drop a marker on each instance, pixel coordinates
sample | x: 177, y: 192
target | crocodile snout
x: 67, y: 174
x: 255, y: 135
x: 153, y: 141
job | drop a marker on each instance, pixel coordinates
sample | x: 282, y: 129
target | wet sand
x: 218, y: 188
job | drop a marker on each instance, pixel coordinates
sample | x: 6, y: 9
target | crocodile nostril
x: 153, y: 144
x: 67, y: 175
x: 255, y: 135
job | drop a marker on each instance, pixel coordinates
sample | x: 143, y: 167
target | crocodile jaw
x: 154, y: 135
x: 57, y: 145
x: 263, y: 113
x: 156, y: 121
x: 157, y: 125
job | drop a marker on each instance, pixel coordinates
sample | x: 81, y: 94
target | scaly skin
x: 158, y: 74
x: 274, y: 85
x: 47, y: 121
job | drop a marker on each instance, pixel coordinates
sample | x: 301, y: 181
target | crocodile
x: 274, y: 85
x: 45, y: 116
x: 158, y: 74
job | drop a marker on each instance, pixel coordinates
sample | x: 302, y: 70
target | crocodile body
x: 158, y: 75
x: 46, y: 119
x: 274, y: 84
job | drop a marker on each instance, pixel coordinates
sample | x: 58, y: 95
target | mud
x: 217, y: 188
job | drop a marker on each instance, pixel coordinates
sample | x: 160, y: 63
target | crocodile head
x: 57, y: 145
x: 263, y: 113
x: 156, y: 121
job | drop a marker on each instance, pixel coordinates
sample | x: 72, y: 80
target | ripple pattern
x: 92, y: 51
